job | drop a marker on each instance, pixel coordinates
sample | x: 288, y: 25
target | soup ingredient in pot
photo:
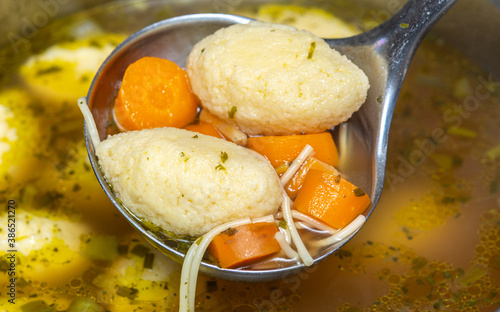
x: 63, y: 72
x: 272, y: 79
x: 154, y: 93
x: 7, y: 134
x: 318, y: 21
x: 18, y: 142
x: 186, y: 182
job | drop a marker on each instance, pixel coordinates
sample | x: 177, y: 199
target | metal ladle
x: 383, y: 53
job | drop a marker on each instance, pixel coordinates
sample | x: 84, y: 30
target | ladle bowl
x: 383, y: 53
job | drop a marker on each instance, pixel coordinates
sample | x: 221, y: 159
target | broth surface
x: 432, y: 243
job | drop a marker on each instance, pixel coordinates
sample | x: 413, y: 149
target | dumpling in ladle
x: 272, y: 79
x: 186, y: 182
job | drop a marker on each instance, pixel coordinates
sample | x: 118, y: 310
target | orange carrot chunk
x: 244, y: 245
x: 280, y: 150
x: 205, y: 128
x: 330, y: 198
x: 295, y: 184
x: 154, y: 93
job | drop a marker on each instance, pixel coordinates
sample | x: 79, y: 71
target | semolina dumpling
x: 272, y: 79
x: 185, y: 182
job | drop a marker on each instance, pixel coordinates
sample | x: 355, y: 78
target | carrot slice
x: 295, y: 184
x: 330, y: 198
x: 244, y: 244
x: 154, y: 93
x: 205, y: 128
x: 280, y: 150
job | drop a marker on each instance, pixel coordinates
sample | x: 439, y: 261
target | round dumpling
x: 272, y: 79
x: 185, y: 182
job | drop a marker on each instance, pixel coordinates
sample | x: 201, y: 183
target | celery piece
x: 472, y: 275
x: 37, y: 306
x: 493, y: 152
x: 462, y: 88
x: 459, y: 131
x: 444, y: 161
x: 418, y: 263
x: 81, y: 304
x: 101, y: 247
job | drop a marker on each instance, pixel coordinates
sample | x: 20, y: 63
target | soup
x: 432, y: 242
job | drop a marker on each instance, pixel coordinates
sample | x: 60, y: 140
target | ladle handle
x: 401, y: 34
x: 396, y: 41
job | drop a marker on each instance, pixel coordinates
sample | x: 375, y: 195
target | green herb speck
x: 230, y: 231
x: 223, y: 156
x: 359, y: 192
x: 220, y: 167
x: 232, y: 112
x: 338, y: 179
x: 49, y: 70
x: 311, y: 50
x: 404, y: 25
x: 283, y: 224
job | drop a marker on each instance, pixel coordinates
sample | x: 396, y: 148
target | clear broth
x: 433, y: 242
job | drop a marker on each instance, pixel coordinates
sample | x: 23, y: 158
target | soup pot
x: 431, y: 243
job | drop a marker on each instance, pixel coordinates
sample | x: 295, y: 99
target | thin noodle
x: 313, y: 222
x: 287, y: 249
x: 266, y: 219
x: 185, y: 274
x: 297, y: 240
x: 296, y: 163
x: 89, y: 120
x: 343, y: 233
x: 301, y: 225
x: 286, y: 234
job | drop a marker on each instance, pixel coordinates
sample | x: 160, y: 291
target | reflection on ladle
x: 383, y: 53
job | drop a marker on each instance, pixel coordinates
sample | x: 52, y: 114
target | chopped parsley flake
x: 359, y: 192
x: 311, y: 50
x: 49, y: 70
x: 282, y: 224
x: 220, y: 167
x: 338, y: 179
x: 230, y: 231
x: 223, y: 157
x: 232, y: 112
